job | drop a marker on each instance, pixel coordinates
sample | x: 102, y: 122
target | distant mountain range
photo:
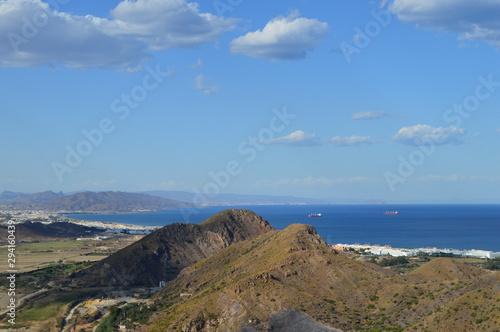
x: 233, y: 199
x: 116, y: 201
x: 109, y: 201
x: 11, y: 197
x: 237, y: 199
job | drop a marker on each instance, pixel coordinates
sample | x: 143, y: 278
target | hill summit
x: 234, y: 272
x: 441, y: 269
x: 291, y: 280
x: 161, y: 255
x: 269, y: 282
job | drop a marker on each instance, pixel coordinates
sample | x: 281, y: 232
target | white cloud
x: 473, y: 20
x: 39, y: 35
x: 352, y: 140
x: 369, y: 115
x: 73, y: 41
x: 297, y: 138
x: 300, y: 138
x: 167, y: 24
x: 283, y: 38
x: 201, y: 83
x: 414, y: 135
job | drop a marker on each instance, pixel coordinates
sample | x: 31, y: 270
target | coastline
x: 414, y: 227
x: 378, y: 250
x: 111, y: 227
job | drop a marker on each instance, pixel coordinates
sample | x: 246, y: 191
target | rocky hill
x: 27, y: 201
x: 36, y: 231
x: 269, y: 282
x: 6, y: 195
x: 113, y: 201
x: 36, y: 198
x: 161, y: 255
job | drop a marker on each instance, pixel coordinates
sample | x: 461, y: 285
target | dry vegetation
x: 36, y: 255
x: 249, y: 283
x: 42, y: 265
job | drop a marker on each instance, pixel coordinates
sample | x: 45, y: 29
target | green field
x: 37, y: 255
x: 46, y: 308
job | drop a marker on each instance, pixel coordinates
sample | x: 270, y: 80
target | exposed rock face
x: 291, y: 280
x: 293, y: 320
x: 37, y: 231
x: 161, y: 255
x: 264, y: 284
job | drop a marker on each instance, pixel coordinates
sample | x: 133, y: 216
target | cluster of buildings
x: 19, y: 216
x: 95, y: 238
x: 396, y: 252
x: 28, y: 215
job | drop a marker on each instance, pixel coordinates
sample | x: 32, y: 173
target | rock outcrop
x: 161, y: 255
x: 291, y: 280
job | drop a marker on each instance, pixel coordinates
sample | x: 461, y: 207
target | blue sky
x: 395, y: 100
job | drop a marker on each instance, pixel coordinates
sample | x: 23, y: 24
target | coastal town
x: 385, y: 250
x: 21, y: 216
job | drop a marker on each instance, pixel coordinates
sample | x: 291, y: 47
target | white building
x: 396, y: 252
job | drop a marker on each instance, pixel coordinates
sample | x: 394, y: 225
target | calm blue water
x: 442, y: 226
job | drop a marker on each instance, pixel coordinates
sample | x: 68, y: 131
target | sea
x: 415, y: 226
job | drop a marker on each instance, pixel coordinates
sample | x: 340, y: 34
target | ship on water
x: 391, y: 213
x: 315, y: 215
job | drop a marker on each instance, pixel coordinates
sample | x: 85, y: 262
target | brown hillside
x: 37, y: 231
x: 474, y: 311
x: 161, y: 255
x: 442, y: 268
x: 246, y: 286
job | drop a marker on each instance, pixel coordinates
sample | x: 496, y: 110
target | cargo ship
x: 391, y: 213
x: 315, y: 215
